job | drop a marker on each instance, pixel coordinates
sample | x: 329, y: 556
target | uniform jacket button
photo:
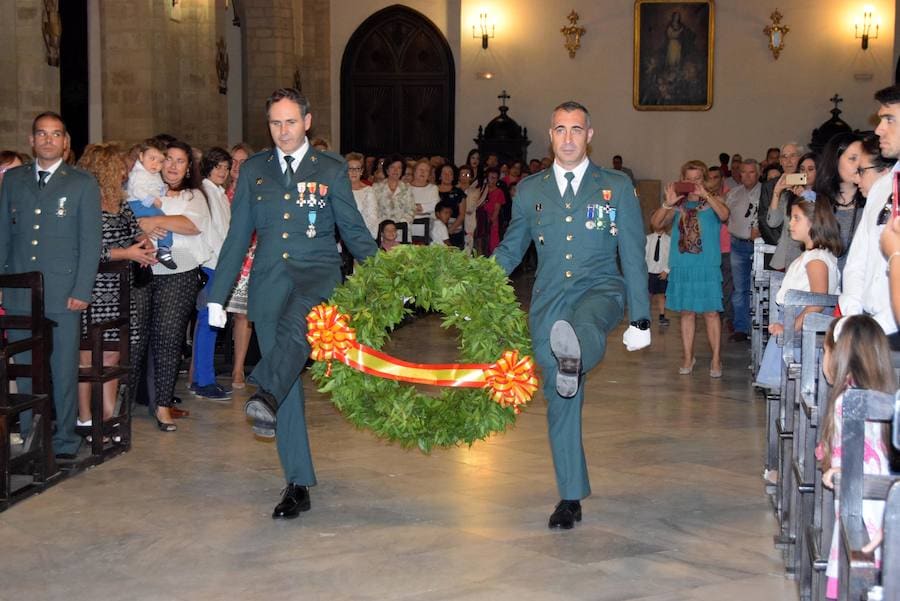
x: 285, y: 256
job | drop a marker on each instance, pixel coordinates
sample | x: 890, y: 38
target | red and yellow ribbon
x: 511, y: 379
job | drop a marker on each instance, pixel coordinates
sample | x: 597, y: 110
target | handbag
x: 141, y: 276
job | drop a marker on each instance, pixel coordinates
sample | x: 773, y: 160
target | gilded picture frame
x: 674, y: 46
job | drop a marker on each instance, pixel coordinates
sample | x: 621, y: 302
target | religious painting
x: 673, y: 55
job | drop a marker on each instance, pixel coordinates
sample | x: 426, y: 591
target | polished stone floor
x: 678, y: 511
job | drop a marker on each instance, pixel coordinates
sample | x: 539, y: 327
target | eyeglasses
x: 862, y: 170
x: 790, y: 155
x: 750, y: 208
x: 354, y: 168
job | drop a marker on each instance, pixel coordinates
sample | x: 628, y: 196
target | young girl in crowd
x: 856, y: 356
x: 813, y: 225
x: 387, y: 235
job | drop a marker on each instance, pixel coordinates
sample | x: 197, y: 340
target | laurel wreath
x: 473, y: 296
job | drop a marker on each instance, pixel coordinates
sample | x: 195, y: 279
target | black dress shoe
x: 294, y: 500
x: 565, y: 515
x: 262, y: 407
x: 567, y: 350
x: 739, y: 337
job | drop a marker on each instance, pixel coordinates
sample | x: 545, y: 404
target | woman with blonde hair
x: 122, y: 240
x: 695, y: 255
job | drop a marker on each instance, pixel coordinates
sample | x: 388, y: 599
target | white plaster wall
x: 758, y: 102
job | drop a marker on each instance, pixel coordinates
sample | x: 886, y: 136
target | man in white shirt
x: 865, y: 281
x: 742, y: 203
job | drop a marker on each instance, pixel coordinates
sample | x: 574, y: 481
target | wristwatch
x: 641, y: 324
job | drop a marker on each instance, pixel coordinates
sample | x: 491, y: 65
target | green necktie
x: 288, y: 172
x: 569, y: 195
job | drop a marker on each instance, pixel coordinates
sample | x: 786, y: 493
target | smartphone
x: 795, y: 179
x: 684, y: 188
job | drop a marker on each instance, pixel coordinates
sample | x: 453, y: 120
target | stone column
x: 28, y: 85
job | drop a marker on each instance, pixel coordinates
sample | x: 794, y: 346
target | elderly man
x: 770, y: 225
x: 743, y: 202
x: 580, y: 218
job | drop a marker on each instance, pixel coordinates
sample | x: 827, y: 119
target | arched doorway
x: 397, y: 87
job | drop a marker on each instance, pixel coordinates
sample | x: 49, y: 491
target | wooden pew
x: 813, y: 503
x: 795, y: 302
x: 112, y: 436
x: 857, y: 570
x: 890, y: 548
x: 35, y: 458
x: 759, y: 303
x: 772, y: 398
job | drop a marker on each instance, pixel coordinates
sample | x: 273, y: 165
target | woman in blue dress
x: 695, y: 277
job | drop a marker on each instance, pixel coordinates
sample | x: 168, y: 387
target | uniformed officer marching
x: 293, y: 196
x: 579, y: 217
x: 50, y: 222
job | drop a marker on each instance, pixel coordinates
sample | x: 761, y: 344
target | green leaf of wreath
x: 473, y: 296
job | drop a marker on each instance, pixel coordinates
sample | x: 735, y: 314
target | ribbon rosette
x: 511, y: 380
x: 329, y: 334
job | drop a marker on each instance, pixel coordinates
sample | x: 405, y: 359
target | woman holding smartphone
x: 695, y: 276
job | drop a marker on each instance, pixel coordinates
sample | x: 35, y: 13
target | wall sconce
x: 776, y: 32
x: 863, y: 30
x: 484, y: 29
x: 572, y: 32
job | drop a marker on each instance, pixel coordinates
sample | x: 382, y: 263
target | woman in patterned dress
x: 393, y: 196
x: 122, y: 240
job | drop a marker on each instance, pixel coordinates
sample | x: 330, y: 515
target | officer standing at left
x: 293, y: 196
x: 50, y: 222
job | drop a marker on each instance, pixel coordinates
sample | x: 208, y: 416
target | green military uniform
x: 57, y: 231
x: 296, y: 267
x: 578, y: 281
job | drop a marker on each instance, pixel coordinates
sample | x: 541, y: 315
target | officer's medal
x: 593, y: 216
x: 311, y: 228
x: 611, y: 212
x: 61, y: 207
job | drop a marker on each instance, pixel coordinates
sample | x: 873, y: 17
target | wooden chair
x: 112, y: 436
x: 857, y: 570
x: 421, y: 231
x: 36, y: 458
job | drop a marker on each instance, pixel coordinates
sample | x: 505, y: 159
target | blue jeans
x: 741, y: 275
x: 140, y: 210
x: 205, y: 340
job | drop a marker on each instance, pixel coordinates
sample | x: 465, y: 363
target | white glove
x: 634, y: 338
x: 217, y: 315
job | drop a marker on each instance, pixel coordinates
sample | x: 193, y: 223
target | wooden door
x: 397, y: 87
